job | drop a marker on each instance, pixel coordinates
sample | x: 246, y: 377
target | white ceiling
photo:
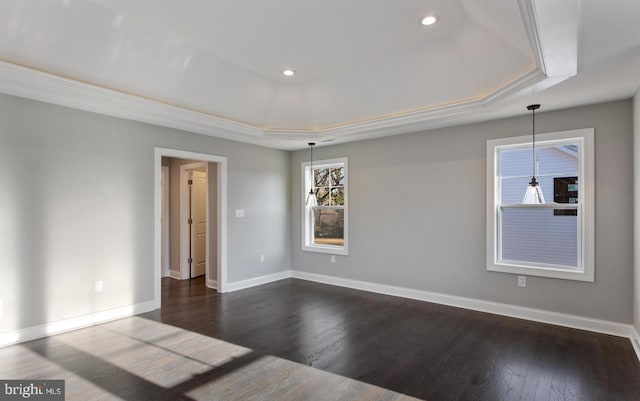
x: 364, y: 68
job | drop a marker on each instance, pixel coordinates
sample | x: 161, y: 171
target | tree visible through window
x: 328, y: 221
x: 325, y: 223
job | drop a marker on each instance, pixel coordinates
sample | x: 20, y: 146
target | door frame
x: 185, y: 272
x: 166, y: 228
x: 221, y: 209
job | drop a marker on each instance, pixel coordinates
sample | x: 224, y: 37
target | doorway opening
x: 194, y: 229
x: 190, y: 218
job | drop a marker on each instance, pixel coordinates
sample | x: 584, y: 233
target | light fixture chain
x: 311, y: 198
x: 533, y: 195
x: 533, y: 108
x: 313, y: 181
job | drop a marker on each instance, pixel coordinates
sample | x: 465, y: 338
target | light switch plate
x: 239, y: 212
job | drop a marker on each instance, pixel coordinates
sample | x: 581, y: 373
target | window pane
x: 536, y: 235
x: 515, y: 162
x: 552, y: 160
x: 337, y: 177
x: 322, y: 194
x: 328, y: 226
x: 558, y: 160
x: 337, y: 197
x: 566, y: 189
x: 512, y: 189
x: 321, y: 177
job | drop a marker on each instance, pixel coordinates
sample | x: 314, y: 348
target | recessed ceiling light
x: 429, y: 20
x: 288, y: 73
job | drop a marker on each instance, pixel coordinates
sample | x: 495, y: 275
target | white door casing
x: 220, y: 280
x: 164, y: 222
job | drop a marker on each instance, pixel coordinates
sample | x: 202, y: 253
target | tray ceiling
x: 362, y: 67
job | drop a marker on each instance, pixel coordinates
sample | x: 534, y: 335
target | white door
x: 199, y: 226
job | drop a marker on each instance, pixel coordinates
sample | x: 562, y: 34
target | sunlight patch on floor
x: 128, y: 357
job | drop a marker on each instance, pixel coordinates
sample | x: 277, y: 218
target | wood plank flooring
x: 140, y: 359
x: 424, y: 350
x: 254, y: 344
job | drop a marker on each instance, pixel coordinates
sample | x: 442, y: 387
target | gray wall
x: 636, y: 209
x: 417, y: 214
x: 76, y: 205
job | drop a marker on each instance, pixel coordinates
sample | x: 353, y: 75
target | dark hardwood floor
x: 428, y: 351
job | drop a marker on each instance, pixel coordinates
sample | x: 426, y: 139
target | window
x: 325, y: 225
x: 554, y: 239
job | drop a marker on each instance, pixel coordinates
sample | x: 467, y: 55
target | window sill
x: 333, y: 250
x: 549, y: 272
x: 548, y: 205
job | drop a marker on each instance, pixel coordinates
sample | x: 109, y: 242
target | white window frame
x: 307, y: 214
x: 586, y: 221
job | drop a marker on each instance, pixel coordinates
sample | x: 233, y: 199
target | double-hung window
x: 552, y: 239
x: 325, y: 224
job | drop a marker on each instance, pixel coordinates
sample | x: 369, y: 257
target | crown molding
x: 29, y: 83
x: 548, y: 70
x: 414, y: 120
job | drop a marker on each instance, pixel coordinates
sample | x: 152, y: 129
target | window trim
x: 586, y: 222
x: 307, y: 245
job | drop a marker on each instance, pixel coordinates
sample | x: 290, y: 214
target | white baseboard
x: 213, y: 284
x: 252, y: 282
x: 61, y: 326
x: 520, y: 312
x: 538, y: 315
x: 175, y: 274
x: 635, y: 341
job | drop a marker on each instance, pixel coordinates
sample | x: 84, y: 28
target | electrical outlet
x: 522, y: 281
x: 99, y: 286
x: 261, y: 258
x: 333, y: 258
x: 239, y: 212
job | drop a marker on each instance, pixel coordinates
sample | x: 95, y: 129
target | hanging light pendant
x: 311, y: 197
x: 534, y: 191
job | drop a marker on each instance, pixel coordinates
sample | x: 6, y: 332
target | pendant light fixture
x: 311, y: 197
x: 534, y: 191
